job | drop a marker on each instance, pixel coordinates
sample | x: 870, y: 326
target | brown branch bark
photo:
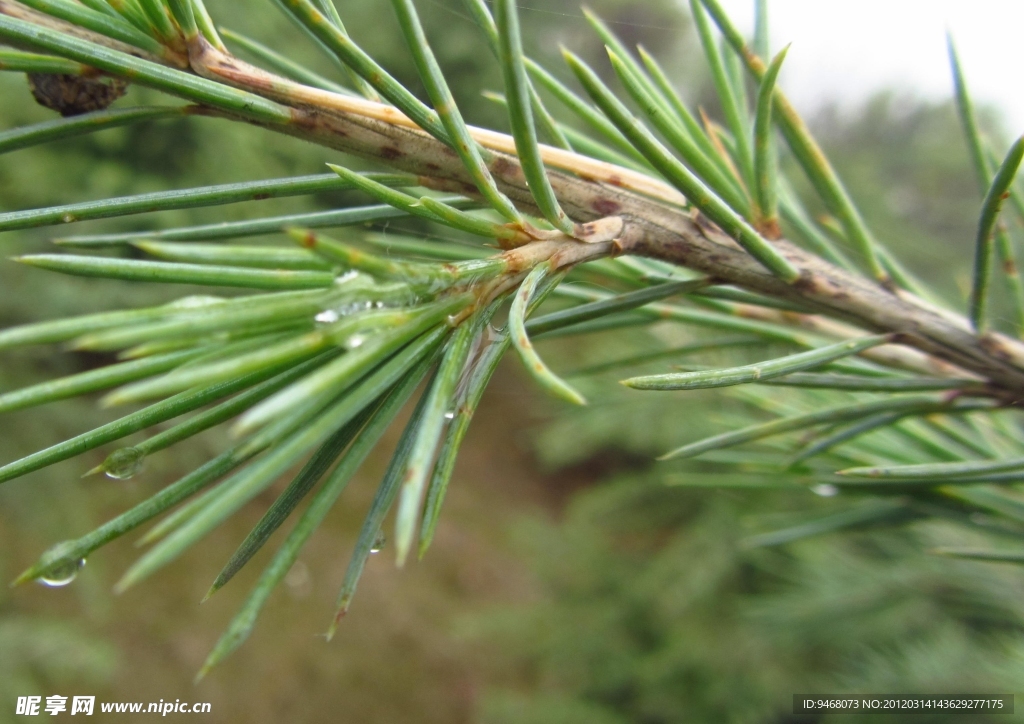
x: 655, y: 225
x: 658, y: 230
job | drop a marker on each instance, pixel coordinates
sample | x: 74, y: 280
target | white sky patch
x: 845, y: 50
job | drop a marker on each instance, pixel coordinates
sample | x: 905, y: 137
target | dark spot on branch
x: 390, y: 153
x: 504, y: 168
x: 306, y: 120
x: 770, y: 229
x: 606, y: 207
x: 995, y: 346
x: 806, y: 282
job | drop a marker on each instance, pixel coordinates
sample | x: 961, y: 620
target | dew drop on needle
x: 328, y: 316
x: 378, y: 542
x: 65, y: 571
x: 124, y: 463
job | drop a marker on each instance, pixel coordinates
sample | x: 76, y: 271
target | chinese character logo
x: 56, y: 704
x: 83, y: 705
x: 28, y: 705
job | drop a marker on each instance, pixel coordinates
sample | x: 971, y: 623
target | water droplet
x: 62, y: 575
x: 450, y: 415
x: 379, y: 305
x: 825, y: 490
x: 346, y: 277
x: 196, y: 300
x: 65, y: 571
x: 356, y: 340
x: 328, y: 316
x: 123, y: 463
x: 378, y: 542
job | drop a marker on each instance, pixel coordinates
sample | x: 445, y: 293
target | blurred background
x: 569, y: 581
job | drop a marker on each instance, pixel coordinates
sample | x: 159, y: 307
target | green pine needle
x: 997, y: 194
x: 765, y: 162
x: 531, y: 360
x: 520, y: 114
x: 756, y: 372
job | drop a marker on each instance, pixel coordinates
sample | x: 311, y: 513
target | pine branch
x: 652, y: 228
x: 319, y: 363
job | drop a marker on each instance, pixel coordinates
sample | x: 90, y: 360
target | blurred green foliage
x: 655, y: 612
